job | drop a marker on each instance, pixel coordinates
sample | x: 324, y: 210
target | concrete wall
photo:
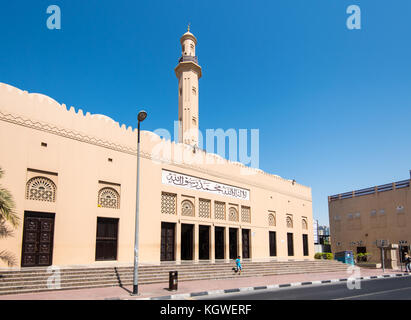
x: 374, y: 217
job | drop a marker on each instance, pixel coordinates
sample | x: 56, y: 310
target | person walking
x: 238, y: 265
x: 407, y: 261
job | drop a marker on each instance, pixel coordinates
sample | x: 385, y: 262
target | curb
x: 268, y: 287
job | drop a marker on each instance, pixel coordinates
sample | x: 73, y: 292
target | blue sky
x: 333, y: 105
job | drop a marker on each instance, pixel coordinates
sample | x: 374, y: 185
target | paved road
x: 378, y: 289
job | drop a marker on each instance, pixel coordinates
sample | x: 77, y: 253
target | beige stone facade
x: 73, y: 178
x: 358, y: 219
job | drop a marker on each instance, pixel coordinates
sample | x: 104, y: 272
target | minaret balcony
x: 188, y: 58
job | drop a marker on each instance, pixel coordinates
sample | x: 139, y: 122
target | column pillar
x: 196, y: 241
x: 227, y: 243
x: 212, y: 243
x: 240, y: 243
x: 178, y: 240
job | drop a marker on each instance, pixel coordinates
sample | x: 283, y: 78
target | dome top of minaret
x: 188, y: 35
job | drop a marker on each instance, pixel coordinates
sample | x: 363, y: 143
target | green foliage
x: 7, y: 206
x: 324, y: 255
x: 361, y: 257
x: 318, y: 255
x: 7, y: 216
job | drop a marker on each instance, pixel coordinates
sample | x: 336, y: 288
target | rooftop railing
x: 373, y: 190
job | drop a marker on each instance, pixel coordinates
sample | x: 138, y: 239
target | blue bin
x: 345, y: 257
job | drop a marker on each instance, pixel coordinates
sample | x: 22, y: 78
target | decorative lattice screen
x: 168, y: 203
x: 204, y: 208
x: 41, y: 188
x: 109, y: 198
x: 245, y: 214
x: 219, y: 210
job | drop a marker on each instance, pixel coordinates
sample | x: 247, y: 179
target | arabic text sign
x: 193, y: 183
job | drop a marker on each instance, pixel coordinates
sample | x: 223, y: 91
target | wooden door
x: 204, y: 242
x: 219, y: 242
x: 246, y: 243
x: 167, y: 241
x: 106, y: 240
x: 290, y: 243
x: 305, y: 245
x: 187, y: 240
x: 273, y: 244
x: 233, y: 243
x: 38, y: 234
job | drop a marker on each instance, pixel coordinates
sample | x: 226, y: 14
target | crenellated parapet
x: 41, y: 108
x: 40, y: 112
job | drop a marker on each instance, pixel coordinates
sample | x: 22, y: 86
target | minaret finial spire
x: 188, y: 27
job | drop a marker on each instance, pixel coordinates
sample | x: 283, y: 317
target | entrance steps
x: 35, y: 279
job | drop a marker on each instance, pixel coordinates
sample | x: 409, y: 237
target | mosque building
x: 73, y: 179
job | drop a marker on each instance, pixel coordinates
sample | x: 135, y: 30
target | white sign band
x: 189, y: 182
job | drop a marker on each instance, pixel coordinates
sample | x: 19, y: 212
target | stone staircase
x: 35, y: 279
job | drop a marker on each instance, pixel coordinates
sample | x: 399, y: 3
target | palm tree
x: 7, y: 216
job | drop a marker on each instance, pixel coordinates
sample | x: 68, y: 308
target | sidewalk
x: 185, y: 287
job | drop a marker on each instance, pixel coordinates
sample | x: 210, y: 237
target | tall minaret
x: 188, y: 72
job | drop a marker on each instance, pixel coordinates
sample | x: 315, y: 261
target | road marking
x: 246, y: 289
x: 372, y: 294
x: 180, y: 296
x: 215, y: 292
x: 277, y: 287
x: 273, y: 286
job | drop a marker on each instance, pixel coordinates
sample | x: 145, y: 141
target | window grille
x: 168, y: 203
x: 41, y: 188
x: 109, y: 198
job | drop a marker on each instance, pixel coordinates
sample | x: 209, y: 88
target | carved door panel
x: 167, y: 242
x: 106, y: 239
x: 38, y: 232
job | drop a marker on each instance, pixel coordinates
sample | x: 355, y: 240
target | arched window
x: 187, y: 208
x: 232, y: 214
x: 271, y: 219
x: 41, y: 188
x: 305, y: 224
x: 289, y: 222
x: 108, y: 198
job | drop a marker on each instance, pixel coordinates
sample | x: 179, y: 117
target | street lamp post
x: 141, y: 116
